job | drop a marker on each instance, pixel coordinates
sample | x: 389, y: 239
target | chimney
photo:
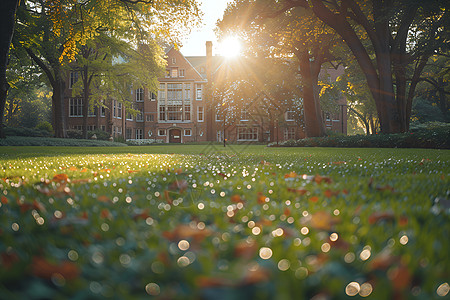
x: 208, y: 93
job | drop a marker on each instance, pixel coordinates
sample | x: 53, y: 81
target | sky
x: 194, y: 45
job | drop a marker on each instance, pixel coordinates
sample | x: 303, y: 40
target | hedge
x: 431, y: 135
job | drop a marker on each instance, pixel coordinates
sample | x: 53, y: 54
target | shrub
x: 25, y: 131
x: 101, y: 135
x: 45, y: 126
x: 39, y: 141
x: 74, y: 134
x: 427, y: 135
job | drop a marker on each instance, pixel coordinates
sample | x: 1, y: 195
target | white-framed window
x: 77, y: 127
x: 119, y: 130
x: 152, y: 96
x: 174, y: 73
x: 187, y: 112
x: 289, y: 133
x: 161, y: 132
x: 181, y: 72
x: 140, y: 95
x: 187, y: 91
x: 290, y: 115
x: 327, y: 117
x: 167, y: 73
x: 247, y: 133
x: 198, y: 92
x: 162, y: 92
x: 139, y: 134
x: 75, y: 107
x: 150, y: 118
x: 244, y: 114
x: 128, y: 133
x: 119, y: 110
x: 200, y: 116
x: 140, y: 116
x: 103, y: 127
x: 162, y: 113
x: 73, y: 79
x: 91, y: 127
x: 114, y: 109
x: 174, y: 60
x: 187, y: 132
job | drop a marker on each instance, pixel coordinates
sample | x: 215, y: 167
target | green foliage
x: 25, y: 131
x: 46, y: 126
x: 432, y: 135
x: 424, y: 111
x: 286, y: 223
x: 70, y: 142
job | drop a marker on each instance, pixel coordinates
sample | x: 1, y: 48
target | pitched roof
x: 200, y: 61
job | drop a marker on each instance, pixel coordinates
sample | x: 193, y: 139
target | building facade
x: 184, y: 109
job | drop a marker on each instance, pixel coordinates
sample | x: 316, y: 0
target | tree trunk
x: 8, y: 10
x: 85, y: 101
x: 59, y: 120
x: 313, y: 124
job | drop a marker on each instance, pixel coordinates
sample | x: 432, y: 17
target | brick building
x: 184, y: 109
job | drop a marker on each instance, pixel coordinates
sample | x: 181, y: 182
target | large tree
x: 7, y: 20
x: 52, y: 30
x: 402, y: 35
x: 296, y: 34
x: 110, y: 66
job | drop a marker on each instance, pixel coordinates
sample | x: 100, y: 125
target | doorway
x: 174, y: 136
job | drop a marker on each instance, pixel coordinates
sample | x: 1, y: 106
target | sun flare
x: 230, y: 47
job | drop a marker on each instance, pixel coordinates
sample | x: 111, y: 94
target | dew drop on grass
x: 152, y: 289
x: 265, y: 253
x: 443, y: 289
x: 352, y: 289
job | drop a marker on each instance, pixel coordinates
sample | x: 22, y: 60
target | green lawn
x: 208, y: 222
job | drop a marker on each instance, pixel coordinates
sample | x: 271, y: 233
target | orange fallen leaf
x: 42, y: 268
x: 290, y: 175
x: 319, y: 179
x: 103, y: 198
x: 187, y: 232
x: 105, y: 214
x: 73, y: 168
x: 133, y: 171
x: 236, y: 199
x: 400, y: 277
x: 314, y: 199
x: 261, y: 198
x: 60, y: 178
